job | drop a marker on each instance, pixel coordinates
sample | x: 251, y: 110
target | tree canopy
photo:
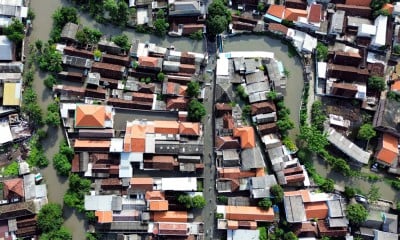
x: 198, y: 201
x: 50, y: 217
x: 88, y: 36
x: 373, y: 194
x: 318, y: 116
x: 160, y: 24
x: 218, y: 18
x: 322, y: 52
x: 376, y: 83
x: 265, y: 203
x: 15, y: 31
x: 196, y: 110
x: 61, y: 234
x: 314, y: 139
x: 122, y: 41
x: 277, y: 193
x: 366, y: 132
x: 356, y: 213
x: 290, y: 236
x: 193, y: 89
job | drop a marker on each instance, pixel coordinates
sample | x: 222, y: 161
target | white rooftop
x: 5, y: 130
x: 248, y: 54
x: 179, y: 184
x: 142, y: 16
x: 240, y: 234
x: 322, y: 66
x: 98, y: 202
x: 222, y: 66
x: 380, y: 38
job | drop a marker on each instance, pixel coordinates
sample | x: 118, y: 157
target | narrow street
x: 209, y: 162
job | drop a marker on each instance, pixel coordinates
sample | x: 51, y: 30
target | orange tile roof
x: 161, y: 205
x: 166, y: 127
x: 316, y: 210
x: 135, y: 134
x: 235, y: 173
x: 90, y: 116
x: 104, y: 216
x: 170, y: 216
x: 305, y: 194
x: 233, y: 224
x: 15, y: 186
x: 365, y: 3
x: 148, y: 61
x: 189, y: 128
x: 292, y: 14
x: 389, y: 7
x: 141, y: 181
x: 260, y: 172
x: 389, y: 151
x: 276, y: 11
x: 154, y: 195
x: 246, y: 135
x: 92, y: 143
x: 249, y: 213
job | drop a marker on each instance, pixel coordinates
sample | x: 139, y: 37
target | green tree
x: 60, y: 234
x: 198, y: 201
x: 50, y: 81
x: 373, y: 194
x: 284, y: 125
x: 97, y: 53
x: 37, y: 158
x: 376, y: 83
x: 378, y: 4
x: 123, y: 12
x: 265, y: 203
x: 31, y: 14
x: 366, y: 132
x: 160, y: 76
x: 196, y: 111
x: 50, y: 60
x: 193, y: 89
x: 50, y: 218
x: 318, y: 116
x: 356, y: 213
x: 78, y: 188
x: 322, y: 52
x: 39, y: 45
x: 67, y: 151
x: 64, y: 15
x: 314, y: 139
x: 11, y: 169
x: 277, y: 193
x: 61, y: 164
x: 15, y: 31
x: 246, y: 110
x: 349, y: 192
x: 328, y: 185
x: 222, y: 199
x: 198, y: 35
x: 122, y: 41
x: 396, y: 49
x: 216, y: 24
x: 272, y: 95
x: 241, y: 92
x: 261, y: 6
x: 263, y: 233
x: 186, y: 200
x: 290, y: 236
x: 161, y: 27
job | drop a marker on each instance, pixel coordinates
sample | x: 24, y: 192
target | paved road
x: 209, y: 162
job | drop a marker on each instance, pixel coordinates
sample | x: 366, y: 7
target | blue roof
x: 273, y: 18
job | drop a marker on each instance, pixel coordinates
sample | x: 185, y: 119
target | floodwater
x: 41, y: 29
x: 294, y: 85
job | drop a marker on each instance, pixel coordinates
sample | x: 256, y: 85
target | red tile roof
x: 91, y: 116
x: 189, y: 128
x: 166, y: 127
x: 315, y: 14
x: 249, y: 213
x: 155, y: 195
x: 276, y: 11
x: 389, y: 151
x: 292, y: 14
x: 148, y: 61
x: 170, y: 216
x: 159, y: 205
x: 246, y: 135
x: 316, y: 210
x: 104, y: 216
x: 14, y: 187
x: 276, y: 27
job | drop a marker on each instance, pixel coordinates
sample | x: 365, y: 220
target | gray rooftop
x: 29, y: 186
x: 230, y: 154
x: 189, y: 8
x: 69, y: 31
x: 348, y: 147
x: 255, y: 77
x: 337, y: 22
x: 379, y: 235
x: 260, y: 193
x: 252, y: 158
x: 391, y: 223
x: 257, y: 87
x: 5, y: 49
x: 263, y: 181
x: 76, y: 61
x: 294, y: 209
x: 338, y: 222
x: 357, y: 21
x: 335, y: 208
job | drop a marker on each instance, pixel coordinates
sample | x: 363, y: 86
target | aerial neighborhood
x: 181, y: 119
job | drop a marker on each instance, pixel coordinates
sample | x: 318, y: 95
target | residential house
x: 13, y: 190
x: 77, y: 62
x: 379, y: 40
x: 68, y: 33
x: 314, y: 18
x: 246, y: 213
x: 337, y: 23
x: 356, y: 11
x: 109, y: 47
x: 246, y: 136
x: 179, y: 103
x: 277, y: 13
x: 386, y: 118
x: 262, y: 108
x: 260, y: 186
x: 93, y: 116
x: 92, y: 145
x: 71, y: 51
x: 116, y: 59
x: 347, y: 147
x: 388, y: 151
x: 278, y: 29
x: 299, y: 4
x: 12, y: 92
x: 109, y: 70
x: 151, y: 64
x: 348, y: 73
x: 6, y: 49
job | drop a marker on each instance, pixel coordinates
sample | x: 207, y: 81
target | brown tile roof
x: 14, y: 188
x: 365, y: 3
x: 262, y: 107
x: 108, y: 66
x: 233, y: 173
x: 189, y: 128
x: 144, y: 184
x: 179, y: 103
x: 166, y: 127
x: 276, y: 11
x: 246, y: 135
x: 389, y: 151
x: 292, y: 14
x: 92, y: 116
x: 159, y: 205
x: 249, y: 213
x: 104, y: 216
x: 325, y: 230
x: 148, y: 61
x: 276, y: 27
x: 176, y: 229
x: 155, y: 195
x: 315, y: 14
x: 111, y: 182
x: 227, y: 142
x: 352, y: 10
x: 317, y: 210
x: 170, y: 216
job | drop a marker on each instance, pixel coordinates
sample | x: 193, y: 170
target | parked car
x: 38, y: 177
x: 360, y: 198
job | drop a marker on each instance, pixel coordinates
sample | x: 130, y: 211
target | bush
x: 197, y: 35
x: 265, y: 203
x: 196, y: 111
x: 198, y: 201
x: 61, y: 164
x: 277, y: 193
x: 15, y: 31
x: 241, y: 92
x: 78, y: 188
x: 122, y: 41
x: 376, y: 83
x: 322, y: 52
x: 50, y: 81
x: 222, y: 199
x: 50, y: 218
x: 356, y: 213
x: 160, y: 76
x: 186, y: 200
x: 11, y: 169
